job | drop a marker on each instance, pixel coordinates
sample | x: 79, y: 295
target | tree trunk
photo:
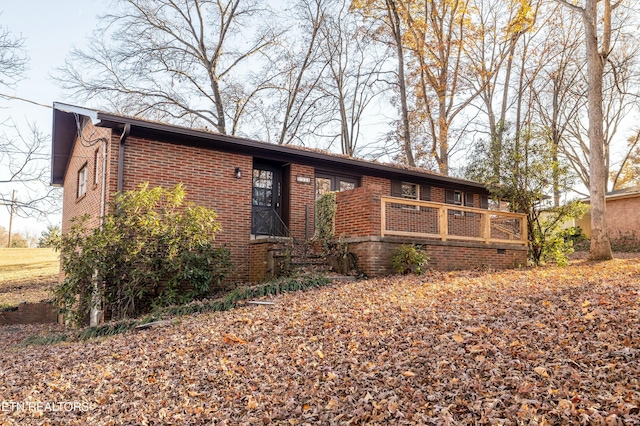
x: 396, y: 27
x: 600, y: 244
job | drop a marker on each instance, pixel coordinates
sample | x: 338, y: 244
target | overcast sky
x: 50, y: 29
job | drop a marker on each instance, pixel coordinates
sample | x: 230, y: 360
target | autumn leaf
x: 541, y: 371
x: 470, y: 347
x: 252, y: 404
x: 332, y: 404
x: 231, y: 338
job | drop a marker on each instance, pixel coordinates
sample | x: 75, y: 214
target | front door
x: 266, y: 201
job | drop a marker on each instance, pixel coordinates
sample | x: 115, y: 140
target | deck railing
x: 424, y: 219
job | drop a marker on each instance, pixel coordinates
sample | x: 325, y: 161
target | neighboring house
x: 623, y: 215
x: 265, y: 193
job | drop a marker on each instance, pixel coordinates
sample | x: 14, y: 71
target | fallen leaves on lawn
x: 543, y: 346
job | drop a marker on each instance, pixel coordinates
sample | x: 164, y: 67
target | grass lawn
x: 531, y: 346
x: 26, y: 275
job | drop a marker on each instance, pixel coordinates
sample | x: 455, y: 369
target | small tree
x: 50, y: 237
x: 526, y: 181
x: 18, y: 241
x: 151, y: 250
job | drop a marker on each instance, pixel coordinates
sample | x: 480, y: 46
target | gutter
x: 123, y: 139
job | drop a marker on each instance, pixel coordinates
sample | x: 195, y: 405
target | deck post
x: 383, y: 216
x: 444, y: 223
x: 487, y: 227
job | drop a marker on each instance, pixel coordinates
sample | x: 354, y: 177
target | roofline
x: 115, y: 121
x: 615, y: 197
x: 91, y: 114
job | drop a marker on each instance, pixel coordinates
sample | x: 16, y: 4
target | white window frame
x: 415, y: 185
x: 458, y: 200
x: 416, y: 198
x: 82, y: 181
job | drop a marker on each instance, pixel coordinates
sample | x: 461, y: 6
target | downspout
x: 96, y: 314
x: 103, y: 190
x: 123, y: 139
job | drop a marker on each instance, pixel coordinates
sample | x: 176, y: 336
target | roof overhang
x: 615, y: 197
x: 65, y: 131
x: 66, y: 121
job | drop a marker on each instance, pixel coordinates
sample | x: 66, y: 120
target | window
x: 262, y: 188
x: 458, y: 197
x: 82, y: 181
x: 410, y: 190
x: 326, y: 182
x: 347, y: 185
x: 96, y: 169
x: 323, y: 185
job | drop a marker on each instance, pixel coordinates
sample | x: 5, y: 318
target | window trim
x: 415, y: 185
x: 81, y: 189
x: 335, y: 180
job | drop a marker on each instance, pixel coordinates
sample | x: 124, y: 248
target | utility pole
x: 11, y: 210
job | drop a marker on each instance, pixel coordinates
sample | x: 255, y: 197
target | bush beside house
x: 151, y: 250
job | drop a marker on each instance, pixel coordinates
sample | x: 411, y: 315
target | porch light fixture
x: 238, y: 173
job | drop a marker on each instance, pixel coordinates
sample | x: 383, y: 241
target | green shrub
x: 409, y: 258
x: 151, y: 250
x: 573, y: 234
x: 326, y: 208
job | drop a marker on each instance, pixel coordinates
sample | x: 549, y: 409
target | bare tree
x: 353, y: 66
x: 179, y: 61
x: 13, y: 58
x: 391, y: 32
x: 557, y: 94
x: 598, y: 49
x: 297, y: 85
x: 25, y: 158
x: 628, y: 175
x: 618, y: 106
x: 439, y: 41
x: 497, y: 29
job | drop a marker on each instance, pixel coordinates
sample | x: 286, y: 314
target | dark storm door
x: 266, y: 201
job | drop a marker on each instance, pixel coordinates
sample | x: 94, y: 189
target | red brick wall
x: 84, y: 153
x: 259, y: 262
x: 401, y: 217
x: 30, y: 313
x: 465, y: 225
x: 358, y: 212
x: 301, y: 195
x: 438, y: 194
x: 623, y: 218
x: 374, y: 257
x: 209, y: 180
x: 376, y: 184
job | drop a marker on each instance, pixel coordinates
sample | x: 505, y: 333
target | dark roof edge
x: 113, y: 121
x: 109, y: 120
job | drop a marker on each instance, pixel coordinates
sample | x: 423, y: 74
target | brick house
x: 623, y: 216
x: 264, y: 193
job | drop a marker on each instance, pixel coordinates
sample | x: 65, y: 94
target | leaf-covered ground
x: 544, y: 346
